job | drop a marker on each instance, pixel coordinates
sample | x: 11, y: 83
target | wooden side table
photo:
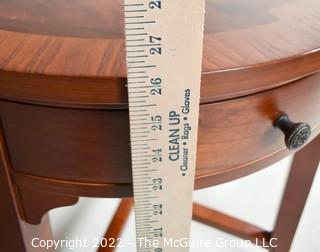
x: 64, y: 117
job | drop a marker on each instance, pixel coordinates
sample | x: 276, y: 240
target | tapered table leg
x: 11, y: 238
x: 300, y: 179
x: 15, y: 234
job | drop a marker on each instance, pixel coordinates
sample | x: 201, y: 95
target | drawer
x: 239, y: 134
x: 92, y: 146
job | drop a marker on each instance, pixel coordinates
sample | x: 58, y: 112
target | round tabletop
x: 245, y: 43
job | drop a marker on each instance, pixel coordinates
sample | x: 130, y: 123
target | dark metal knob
x: 296, y: 134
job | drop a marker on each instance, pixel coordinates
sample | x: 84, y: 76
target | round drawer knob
x: 296, y: 134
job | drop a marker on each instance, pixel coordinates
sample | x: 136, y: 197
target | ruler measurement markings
x: 139, y: 145
x: 138, y: 133
x: 138, y: 165
x: 136, y: 72
x: 139, y: 149
x: 141, y: 175
x: 134, y: 29
x: 140, y: 136
x: 133, y: 4
x: 137, y: 171
x: 134, y: 17
x: 148, y: 156
x: 143, y: 101
x: 149, y: 222
x: 138, y: 67
x: 139, y: 119
x: 140, y: 96
x: 136, y: 82
x: 142, y: 172
x: 137, y: 34
x: 140, y: 22
x: 143, y: 213
x: 146, y: 191
x: 142, y: 45
x: 150, y: 197
x: 137, y: 92
x: 143, y: 228
x: 136, y: 51
x: 139, y: 201
x: 135, y: 40
x: 139, y: 77
x: 139, y: 87
x: 141, y: 132
x: 146, y: 226
x: 143, y: 204
x: 133, y: 11
x: 146, y: 185
x: 151, y: 123
x: 143, y: 194
x: 139, y: 128
x: 143, y: 189
x: 136, y: 162
x: 137, y: 62
x: 144, y: 207
x: 144, y: 140
x: 151, y: 218
x: 141, y: 114
x: 143, y: 180
x: 147, y: 145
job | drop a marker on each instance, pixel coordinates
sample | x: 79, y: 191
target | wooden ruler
x: 164, y: 54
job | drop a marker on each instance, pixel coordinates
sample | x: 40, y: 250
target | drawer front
x: 239, y: 132
x: 93, y: 145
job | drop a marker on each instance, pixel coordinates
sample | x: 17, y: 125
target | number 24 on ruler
x: 164, y: 52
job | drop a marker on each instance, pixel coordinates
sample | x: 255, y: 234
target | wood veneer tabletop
x: 85, y: 37
x: 249, y: 46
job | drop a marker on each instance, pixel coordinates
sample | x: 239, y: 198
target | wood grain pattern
x: 248, y: 48
x: 36, y: 203
x: 237, y: 34
x: 201, y: 214
x: 63, y: 72
x: 10, y: 210
x: 229, y: 224
x: 92, y: 146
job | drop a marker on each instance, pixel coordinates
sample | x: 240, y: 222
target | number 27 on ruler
x: 164, y: 51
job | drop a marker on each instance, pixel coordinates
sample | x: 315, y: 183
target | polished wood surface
x: 63, y: 102
x: 229, y: 224
x: 233, y: 29
x: 202, y: 214
x: 93, y: 145
x: 10, y: 210
x: 52, y: 55
x: 303, y: 169
x: 66, y: 153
